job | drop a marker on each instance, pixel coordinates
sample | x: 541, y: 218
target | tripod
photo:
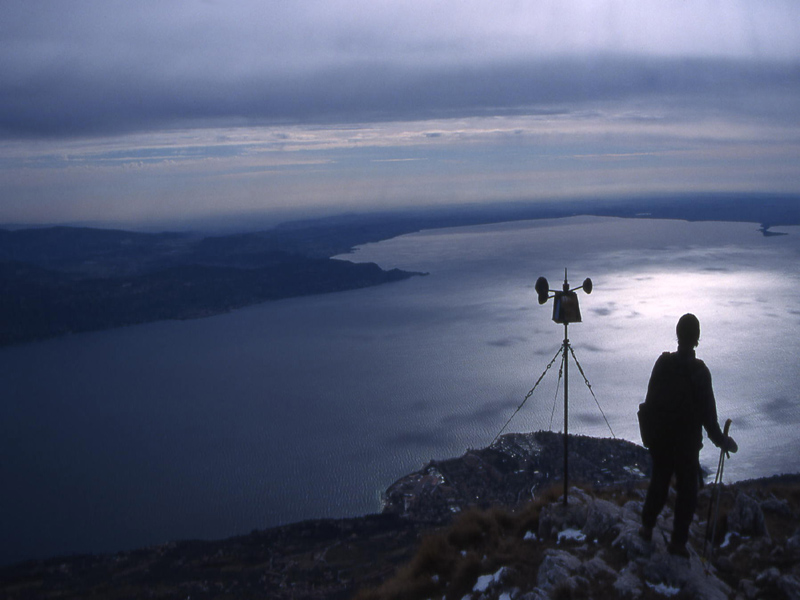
x: 566, y: 311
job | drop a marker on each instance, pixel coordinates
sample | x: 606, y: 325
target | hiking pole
x: 714, y: 504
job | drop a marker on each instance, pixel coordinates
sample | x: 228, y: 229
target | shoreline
x: 494, y: 473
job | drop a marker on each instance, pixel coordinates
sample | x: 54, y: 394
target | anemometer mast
x: 565, y: 310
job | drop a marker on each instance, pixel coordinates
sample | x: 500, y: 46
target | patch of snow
x: 663, y: 589
x: 484, y: 581
x: 573, y: 535
x: 529, y: 535
x: 727, y: 541
x: 504, y: 596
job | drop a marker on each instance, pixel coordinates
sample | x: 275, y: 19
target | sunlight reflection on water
x: 646, y: 274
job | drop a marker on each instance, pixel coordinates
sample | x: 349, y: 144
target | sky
x: 153, y: 112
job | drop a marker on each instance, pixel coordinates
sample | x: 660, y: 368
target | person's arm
x: 710, y: 420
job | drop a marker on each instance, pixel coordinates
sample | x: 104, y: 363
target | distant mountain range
x: 61, y: 280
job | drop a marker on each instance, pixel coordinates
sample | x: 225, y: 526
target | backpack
x: 670, y: 416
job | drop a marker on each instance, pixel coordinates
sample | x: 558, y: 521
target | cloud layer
x: 116, y: 110
x: 87, y: 68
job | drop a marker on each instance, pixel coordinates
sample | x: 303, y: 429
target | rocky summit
x: 489, y: 525
x: 744, y: 540
x: 591, y: 547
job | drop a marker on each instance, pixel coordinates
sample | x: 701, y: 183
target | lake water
x: 311, y: 407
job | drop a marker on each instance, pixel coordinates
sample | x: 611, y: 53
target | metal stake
x: 566, y: 412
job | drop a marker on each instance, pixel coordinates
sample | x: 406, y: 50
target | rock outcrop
x: 590, y: 547
x: 511, y: 472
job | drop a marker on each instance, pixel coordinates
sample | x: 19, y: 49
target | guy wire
x: 589, y: 385
x: 528, y: 395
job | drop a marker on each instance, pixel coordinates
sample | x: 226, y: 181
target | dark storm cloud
x: 105, y: 67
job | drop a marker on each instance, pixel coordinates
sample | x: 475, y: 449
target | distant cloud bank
x: 454, y: 100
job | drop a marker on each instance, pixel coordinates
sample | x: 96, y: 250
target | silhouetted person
x: 680, y: 392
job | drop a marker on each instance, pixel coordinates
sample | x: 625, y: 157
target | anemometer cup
x: 542, y: 289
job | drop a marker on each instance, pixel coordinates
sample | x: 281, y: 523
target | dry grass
x: 478, y: 542
x: 448, y: 564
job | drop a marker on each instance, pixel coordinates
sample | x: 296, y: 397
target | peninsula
x: 60, y: 280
